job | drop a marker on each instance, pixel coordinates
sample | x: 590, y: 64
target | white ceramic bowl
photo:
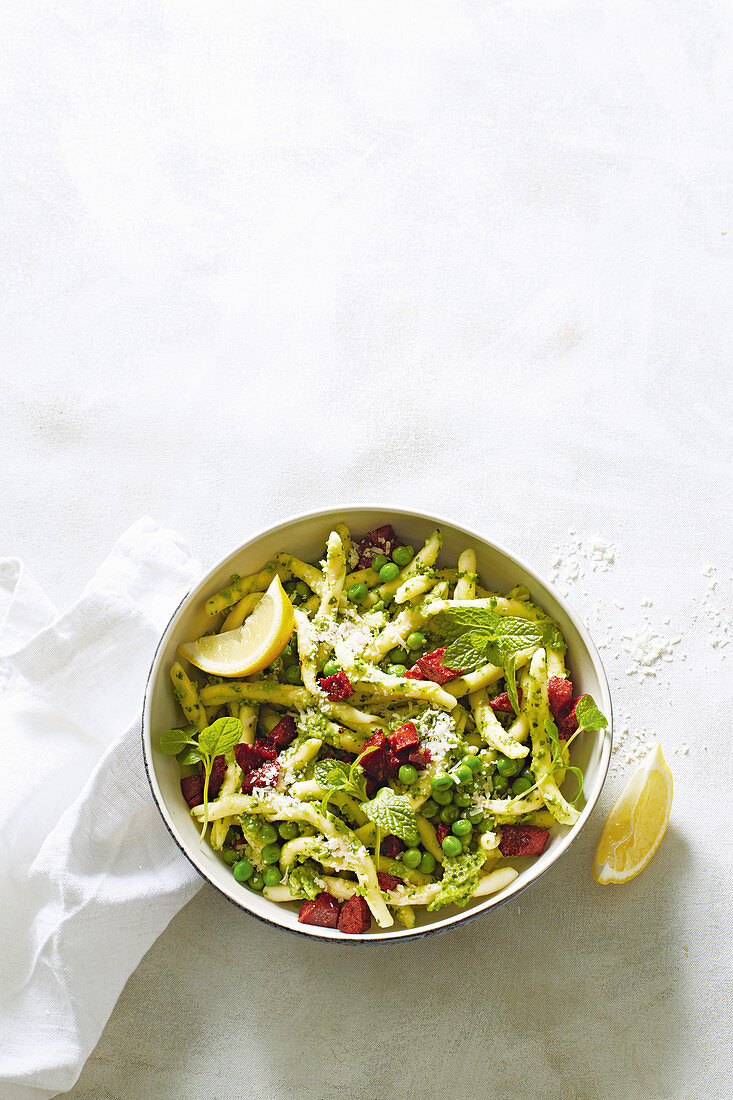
x: 305, y: 536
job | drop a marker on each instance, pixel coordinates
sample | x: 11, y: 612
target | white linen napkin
x: 89, y: 876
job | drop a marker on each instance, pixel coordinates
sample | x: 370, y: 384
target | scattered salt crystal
x: 708, y: 571
x: 647, y: 602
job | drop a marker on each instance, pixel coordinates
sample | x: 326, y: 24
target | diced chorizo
x: 192, y: 789
x: 337, y: 687
x: 218, y: 771
x: 387, y: 882
x: 322, y: 911
x: 355, y: 917
x: 284, y: 732
x: 392, y: 847
x: 406, y: 737
x: 433, y: 668
x: 559, y: 693
x: 522, y: 840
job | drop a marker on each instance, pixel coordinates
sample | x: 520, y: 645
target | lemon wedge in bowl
x: 252, y: 646
x: 636, y: 824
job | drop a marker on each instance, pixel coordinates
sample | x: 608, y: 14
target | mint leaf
x: 551, y: 635
x: 174, y: 741
x: 221, y: 736
x: 588, y: 715
x: 393, y: 813
x: 467, y: 652
x: 333, y: 775
x: 454, y: 621
x: 190, y: 755
x: 518, y: 634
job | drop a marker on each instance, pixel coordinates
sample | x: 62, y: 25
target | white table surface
x: 261, y: 258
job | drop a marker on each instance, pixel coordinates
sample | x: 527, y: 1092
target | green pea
x: 288, y: 830
x: 416, y: 640
x: 527, y: 771
x: 271, y: 853
x: 289, y: 587
x: 411, y: 858
x: 252, y: 824
x: 452, y: 846
x: 230, y: 856
x: 450, y: 814
x: 402, y: 554
x: 396, y: 670
x: 462, y: 799
x: 330, y: 668
x: 388, y: 572
x: 407, y: 774
x: 271, y: 876
x: 428, y: 808
x: 466, y: 843
x: 462, y: 827
x: 443, y: 798
x: 508, y: 767
x: 427, y: 863
x: 463, y: 773
x: 474, y: 816
x: 302, y: 590
x: 292, y: 675
x: 256, y: 882
x: 398, y: 656
x: 378, y: 562
x: 289, y: 656
x: 485, y: 825
x: 357, y: 593
x: 501, y: 784
x: 268, y: 833
x: 441, y: 783
x: 473, y: 763
x: 243, y: 870
x: 521, y: 785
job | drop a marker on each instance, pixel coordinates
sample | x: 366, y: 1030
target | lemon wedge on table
x: 252, y: 646
x: 636, y: 824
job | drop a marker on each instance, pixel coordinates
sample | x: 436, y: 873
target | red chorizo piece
x: 392, y: 847
x: 501, y: 702
x: 218, y: 771
x: 559, y: 693
x: 380, y: 541
x: 192, y: 789
x: 387, y: 882
x: 432, y: 667
x: 322, y: 911
x: 522, y: 840
x: 405, y: 737
x: 442, y: 831
x: 355, y: 917
x: 420, y: 758
x: 284, y: 732
x: 567, y: 722
x: 337, y: 687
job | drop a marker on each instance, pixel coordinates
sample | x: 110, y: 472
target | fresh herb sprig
x: 389, y: 812
x: 218, y: 738
x: 477, y: 636
x: 589, y: 717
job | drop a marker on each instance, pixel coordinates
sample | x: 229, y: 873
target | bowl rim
x: 515, y: 888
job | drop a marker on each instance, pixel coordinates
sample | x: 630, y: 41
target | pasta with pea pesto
x: 407, y: 742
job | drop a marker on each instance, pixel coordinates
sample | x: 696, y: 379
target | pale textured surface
x: 471, y: 257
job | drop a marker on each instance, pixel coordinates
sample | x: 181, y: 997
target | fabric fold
x: 90, y: 874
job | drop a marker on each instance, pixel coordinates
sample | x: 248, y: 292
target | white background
x: 260, y: 258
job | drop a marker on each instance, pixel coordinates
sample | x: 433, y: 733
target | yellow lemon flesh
x: 636, y: 824
x: 252, y: 646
